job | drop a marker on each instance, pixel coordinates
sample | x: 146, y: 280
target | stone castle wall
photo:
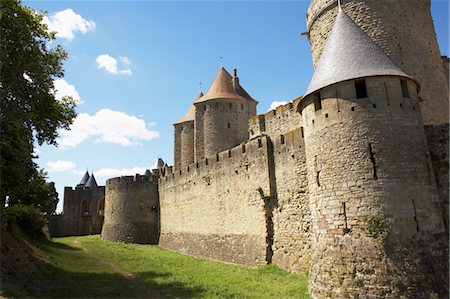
x: 218, y: 207
x: 275, y: 122
x: 370, y: 174
x: 221, y: 124
x: 83, y: 213
x: 132, y: 210
x: 291, y: 213
x: 404, y: 30
x: 187, y: 144
x: 177, y: 146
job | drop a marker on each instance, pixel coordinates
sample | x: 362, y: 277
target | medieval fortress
x: 348, y: 183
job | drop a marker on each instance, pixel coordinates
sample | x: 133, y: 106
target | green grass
x: 90, y: 267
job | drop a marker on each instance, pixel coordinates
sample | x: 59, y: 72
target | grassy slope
x: 90, y: 267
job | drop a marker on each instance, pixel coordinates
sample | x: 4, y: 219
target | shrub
x: 28, y: 218
x: 377, y: 228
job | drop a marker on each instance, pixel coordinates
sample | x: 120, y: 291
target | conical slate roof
x: 190, y: 115
x: 91, y: 183
x: 84, y: 179
x: 223, y: 88
x: 350, y: 53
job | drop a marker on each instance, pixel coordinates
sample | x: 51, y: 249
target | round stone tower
x: 184, y: 138
x: 404, y: 30
x: 377, y: 228
x: 222, y: 114
x: 132, y: 210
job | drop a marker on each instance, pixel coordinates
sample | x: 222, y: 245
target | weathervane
x: 200, y: 84
x: 221, y: 61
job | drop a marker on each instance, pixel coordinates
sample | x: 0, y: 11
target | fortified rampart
x: 218, y: 207
x: 132, y: 209
x: 404, y: 30
x: 83, y: 212
x: 291, y: 215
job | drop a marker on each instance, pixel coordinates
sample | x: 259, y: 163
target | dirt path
x: 114, y: 267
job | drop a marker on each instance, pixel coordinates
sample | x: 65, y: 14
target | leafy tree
x: 29, y: 110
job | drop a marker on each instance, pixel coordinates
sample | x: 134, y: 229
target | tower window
x: 317, y: 101
x: 229, y: 125
x: 242, y: 106
x: 84, y: 208
x: 405, y: 90
x: 361, y: 90
x: 231, y: 105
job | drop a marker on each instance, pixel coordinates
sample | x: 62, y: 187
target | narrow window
x: 326, y: 115
x: 405, y: 90
x: 259, y: 143
x: 318, y: 170
x: 372, y: 159
x: 229, y: 125
x: 301, y: 130
x: 282, y: 139
x: 84, y: 208
x: 415, y: 215
x: 344, y: 214
x: 231, y: 105
x: 217, y: 157
x: 353, y: 108
x: 361, y: 90
x: 374, y: 105
x: 242, y: 106
x: 317, y: 101
x: 243, y: 148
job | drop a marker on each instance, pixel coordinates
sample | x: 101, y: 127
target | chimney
x: 235, y: 80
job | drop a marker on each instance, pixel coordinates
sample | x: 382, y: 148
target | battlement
x: 78, y: 189
x: 129, y: 179
x: 253, y: 148
x: 276, y: 122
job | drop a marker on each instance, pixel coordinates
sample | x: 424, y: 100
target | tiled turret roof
x: 190, y: 115
x: 225, y: 86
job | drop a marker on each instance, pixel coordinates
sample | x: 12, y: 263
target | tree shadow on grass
x: 54, y: 282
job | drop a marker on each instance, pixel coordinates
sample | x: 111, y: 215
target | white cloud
x: 60, y: 166
x: 109, y: 64
x: 115, y: 172
x: 125, y: 60
x: 62, y: 88
x: 67, y: 22
x: 275, y: 104
x: 108, y: 126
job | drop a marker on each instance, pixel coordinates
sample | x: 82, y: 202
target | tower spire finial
x: 339, y: 5
x: 221, y: 61
x: 200, y: 84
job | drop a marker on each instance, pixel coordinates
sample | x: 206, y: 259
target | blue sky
x: 136, y: 66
